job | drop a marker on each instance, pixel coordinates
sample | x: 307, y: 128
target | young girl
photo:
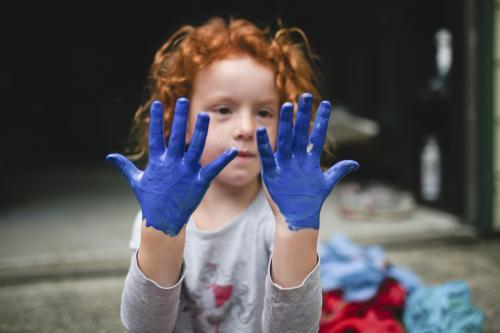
x: 215, y: 251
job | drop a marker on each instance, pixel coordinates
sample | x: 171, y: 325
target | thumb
x: 339, y: 170
x: 127, y: 168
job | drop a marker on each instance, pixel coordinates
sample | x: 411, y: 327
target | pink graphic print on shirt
x: 221, y: 294
x: 215, y: 300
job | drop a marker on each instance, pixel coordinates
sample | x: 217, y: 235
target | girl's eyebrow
x: 219, y: 98
x: 270, y: 100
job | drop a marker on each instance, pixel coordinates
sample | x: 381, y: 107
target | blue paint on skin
x: 292, y: 174
x: 173, y: 183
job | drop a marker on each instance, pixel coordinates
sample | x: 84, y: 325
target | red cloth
x: 377, y: 315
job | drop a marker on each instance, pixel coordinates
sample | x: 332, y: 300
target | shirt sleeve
x: 135, y: 240
x: 268, y: 230
x: 295, y: 309
x: 146, y: 306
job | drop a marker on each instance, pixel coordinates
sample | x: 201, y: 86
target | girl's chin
x: 237, y: 180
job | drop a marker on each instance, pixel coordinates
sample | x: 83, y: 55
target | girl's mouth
x: 245, y: 154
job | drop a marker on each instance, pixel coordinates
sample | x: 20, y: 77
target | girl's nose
x: 245, y: 127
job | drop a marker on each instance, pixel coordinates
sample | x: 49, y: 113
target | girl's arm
x: 294, y: 254
x: 151, y: 292
x: 168, y: 191
x: 293, y: 297
x: 157, y: 248
x: 297, y: 187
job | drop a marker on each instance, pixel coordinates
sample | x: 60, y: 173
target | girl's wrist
x: 160, y: 255
x: 307, y: 236
x: 294, y: 255
x: 157, y: 243
x: 152, y: 234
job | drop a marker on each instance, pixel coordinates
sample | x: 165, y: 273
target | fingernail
x: 156, y: 105
x: 203, y: 118
x: 307, y: 96
x: 109, y: 159
x: 325, y: 108
x: 354, y: 167
x: 326, y: 104
x: 306, y: 100
x: 261, y: 134
x: 287, y: 111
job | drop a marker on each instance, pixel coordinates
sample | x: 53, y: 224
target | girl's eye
x: 223, y: 110
x: 265, y: 113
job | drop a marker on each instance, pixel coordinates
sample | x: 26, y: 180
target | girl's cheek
x: 189, y: 135
x: 190, y: 129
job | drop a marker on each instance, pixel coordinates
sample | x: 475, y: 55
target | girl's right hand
x: 173, y: 183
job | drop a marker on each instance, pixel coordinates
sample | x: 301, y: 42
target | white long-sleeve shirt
x: 225, y: 284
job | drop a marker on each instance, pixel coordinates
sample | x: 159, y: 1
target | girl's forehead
x: 237, y: 75
x: 237, y: 63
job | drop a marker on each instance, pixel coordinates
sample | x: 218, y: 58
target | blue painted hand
x: 173, y: 183
x: 292, y: 175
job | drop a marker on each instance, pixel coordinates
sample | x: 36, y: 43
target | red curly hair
x: 191, y: 49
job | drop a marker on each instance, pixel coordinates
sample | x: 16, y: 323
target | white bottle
x: 430, y: 170
x: 444, y: 52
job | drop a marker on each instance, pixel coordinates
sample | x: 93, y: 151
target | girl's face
x: 240, y: 95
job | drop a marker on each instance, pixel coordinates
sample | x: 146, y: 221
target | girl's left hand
x: 292, y: 175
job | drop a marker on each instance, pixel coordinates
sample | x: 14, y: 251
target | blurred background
x: 415, y: 85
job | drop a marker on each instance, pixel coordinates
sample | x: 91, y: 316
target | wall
x: 496, y: 96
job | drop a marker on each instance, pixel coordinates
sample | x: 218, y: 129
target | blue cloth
x: 442, y: 309
x: 359, y: 271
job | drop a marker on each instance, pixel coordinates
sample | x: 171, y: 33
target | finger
x: 211, y: 170
x: 177, y: 138
x: 265, y: 151
x: 318, y: 135
x: 197, y: 144
x: 339, y: 170
x: 156, y: 138
x: 283, y: 149
x: 127, y: 168
x: 301, y: 128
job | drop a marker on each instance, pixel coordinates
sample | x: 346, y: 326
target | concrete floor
x: 64, y: 254
x: 91, y: 303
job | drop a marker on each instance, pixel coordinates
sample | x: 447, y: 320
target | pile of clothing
x: 363, y: 292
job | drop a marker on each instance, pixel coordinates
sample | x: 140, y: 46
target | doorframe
x: 480, y: 114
